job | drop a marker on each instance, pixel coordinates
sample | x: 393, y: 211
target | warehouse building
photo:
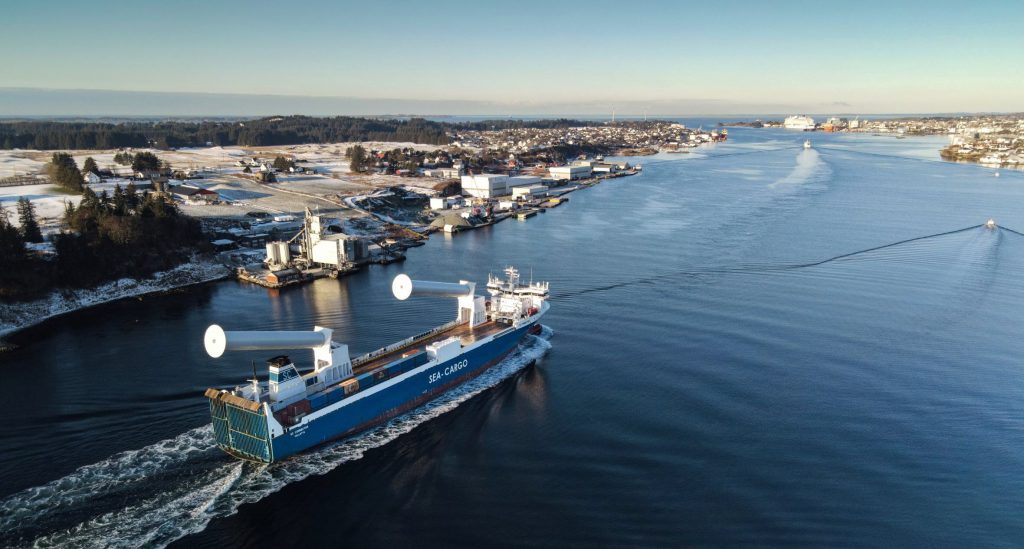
x: 570, y: 173
x: 529, y: 191
x: 523, y: 181
x: 485, y: 185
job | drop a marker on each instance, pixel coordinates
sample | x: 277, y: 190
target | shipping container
x: 366, y: 380
x: 326, y: 398
x: 407, y: 363
x: 350, y: 386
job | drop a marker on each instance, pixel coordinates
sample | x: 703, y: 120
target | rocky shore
x: 17, y: 316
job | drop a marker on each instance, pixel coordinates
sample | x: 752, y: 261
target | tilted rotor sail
x: 404, y: 287
x: 471, y: 307
x: 217, y: 341
x: 327, y: 355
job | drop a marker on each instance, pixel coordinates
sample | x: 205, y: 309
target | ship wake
x: 168, y: 490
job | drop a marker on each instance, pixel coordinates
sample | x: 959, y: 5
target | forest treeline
x: 278, y: 130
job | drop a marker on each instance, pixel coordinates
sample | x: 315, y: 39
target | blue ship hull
x: 246, y: 433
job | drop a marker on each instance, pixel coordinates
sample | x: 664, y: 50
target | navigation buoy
x: 990, y: 224
x: 996, y: 174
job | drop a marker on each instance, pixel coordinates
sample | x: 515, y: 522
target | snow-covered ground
x: 17, y: 316
x: 48, y: 200
x: 220, y: 172
x: 18, y: 162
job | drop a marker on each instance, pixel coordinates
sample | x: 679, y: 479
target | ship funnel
x: 404, y: 287
x: 217, y: 340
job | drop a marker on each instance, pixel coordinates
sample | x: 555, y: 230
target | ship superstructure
x: 292, y: 411
x: 798, y: 122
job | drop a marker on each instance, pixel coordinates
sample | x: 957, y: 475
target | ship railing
x: 358, y: 361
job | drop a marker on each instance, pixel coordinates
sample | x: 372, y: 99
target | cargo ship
x: 292, y: 410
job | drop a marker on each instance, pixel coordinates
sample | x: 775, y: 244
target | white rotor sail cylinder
x: 217, y: 340
x: 403, y: 287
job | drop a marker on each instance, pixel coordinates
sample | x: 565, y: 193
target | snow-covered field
x: 220, y: 171
x: 18, y: 162
x: 48, y: 200
x: 22, y: 315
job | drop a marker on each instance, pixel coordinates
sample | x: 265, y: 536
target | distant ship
x: 807, y: 143
x: 798, y: 122
x: 293, y: 411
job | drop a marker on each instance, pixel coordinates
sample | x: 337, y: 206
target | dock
x: 290, y: 276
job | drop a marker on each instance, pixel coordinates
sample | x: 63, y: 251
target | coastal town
x: 995, y: 140
x: 284, y: 215
x: 629, y: 138
x: 288, y: 214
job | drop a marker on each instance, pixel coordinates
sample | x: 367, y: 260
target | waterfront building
x: 529, y: 191
x: 523, y: 181
x: 485, y: 185
x: 559, y: 173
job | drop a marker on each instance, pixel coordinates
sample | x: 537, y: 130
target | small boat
x: 807, y: 143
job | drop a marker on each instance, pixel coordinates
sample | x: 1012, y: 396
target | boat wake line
x: 722, y: 155
x: 168, y: 490
x: 754, y: 268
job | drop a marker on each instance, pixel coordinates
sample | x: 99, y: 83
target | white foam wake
x: 163, y: 492
x: 809, y: 166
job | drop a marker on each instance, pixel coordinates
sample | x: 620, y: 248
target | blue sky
x: 594, y: 56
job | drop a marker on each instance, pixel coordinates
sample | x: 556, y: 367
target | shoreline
x: 15, y: 317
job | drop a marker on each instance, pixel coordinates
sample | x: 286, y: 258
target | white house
x: 91, y: 178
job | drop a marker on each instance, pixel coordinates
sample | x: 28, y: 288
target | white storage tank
x: 284, y: 253
x: 273, y: 255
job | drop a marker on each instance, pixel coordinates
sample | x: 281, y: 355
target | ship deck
x: 466, y: 334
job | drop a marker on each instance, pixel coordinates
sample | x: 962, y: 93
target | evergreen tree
x: 357, y: 158
x: 64, y: 172
x: 282, y: 164
x: 27, y: 217
x: 123, y: 158
x: 119, y: 201
x: 12, y: 245
x: 104, y: 200
x: 131, y: 197
x: 146, y: 161
x: 90, y: 166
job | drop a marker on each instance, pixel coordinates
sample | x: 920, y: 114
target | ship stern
x: 240, y: 426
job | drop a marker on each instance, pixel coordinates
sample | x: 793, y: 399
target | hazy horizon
x: 53, y: 103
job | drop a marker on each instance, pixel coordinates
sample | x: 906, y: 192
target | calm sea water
x: 701, y: 382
